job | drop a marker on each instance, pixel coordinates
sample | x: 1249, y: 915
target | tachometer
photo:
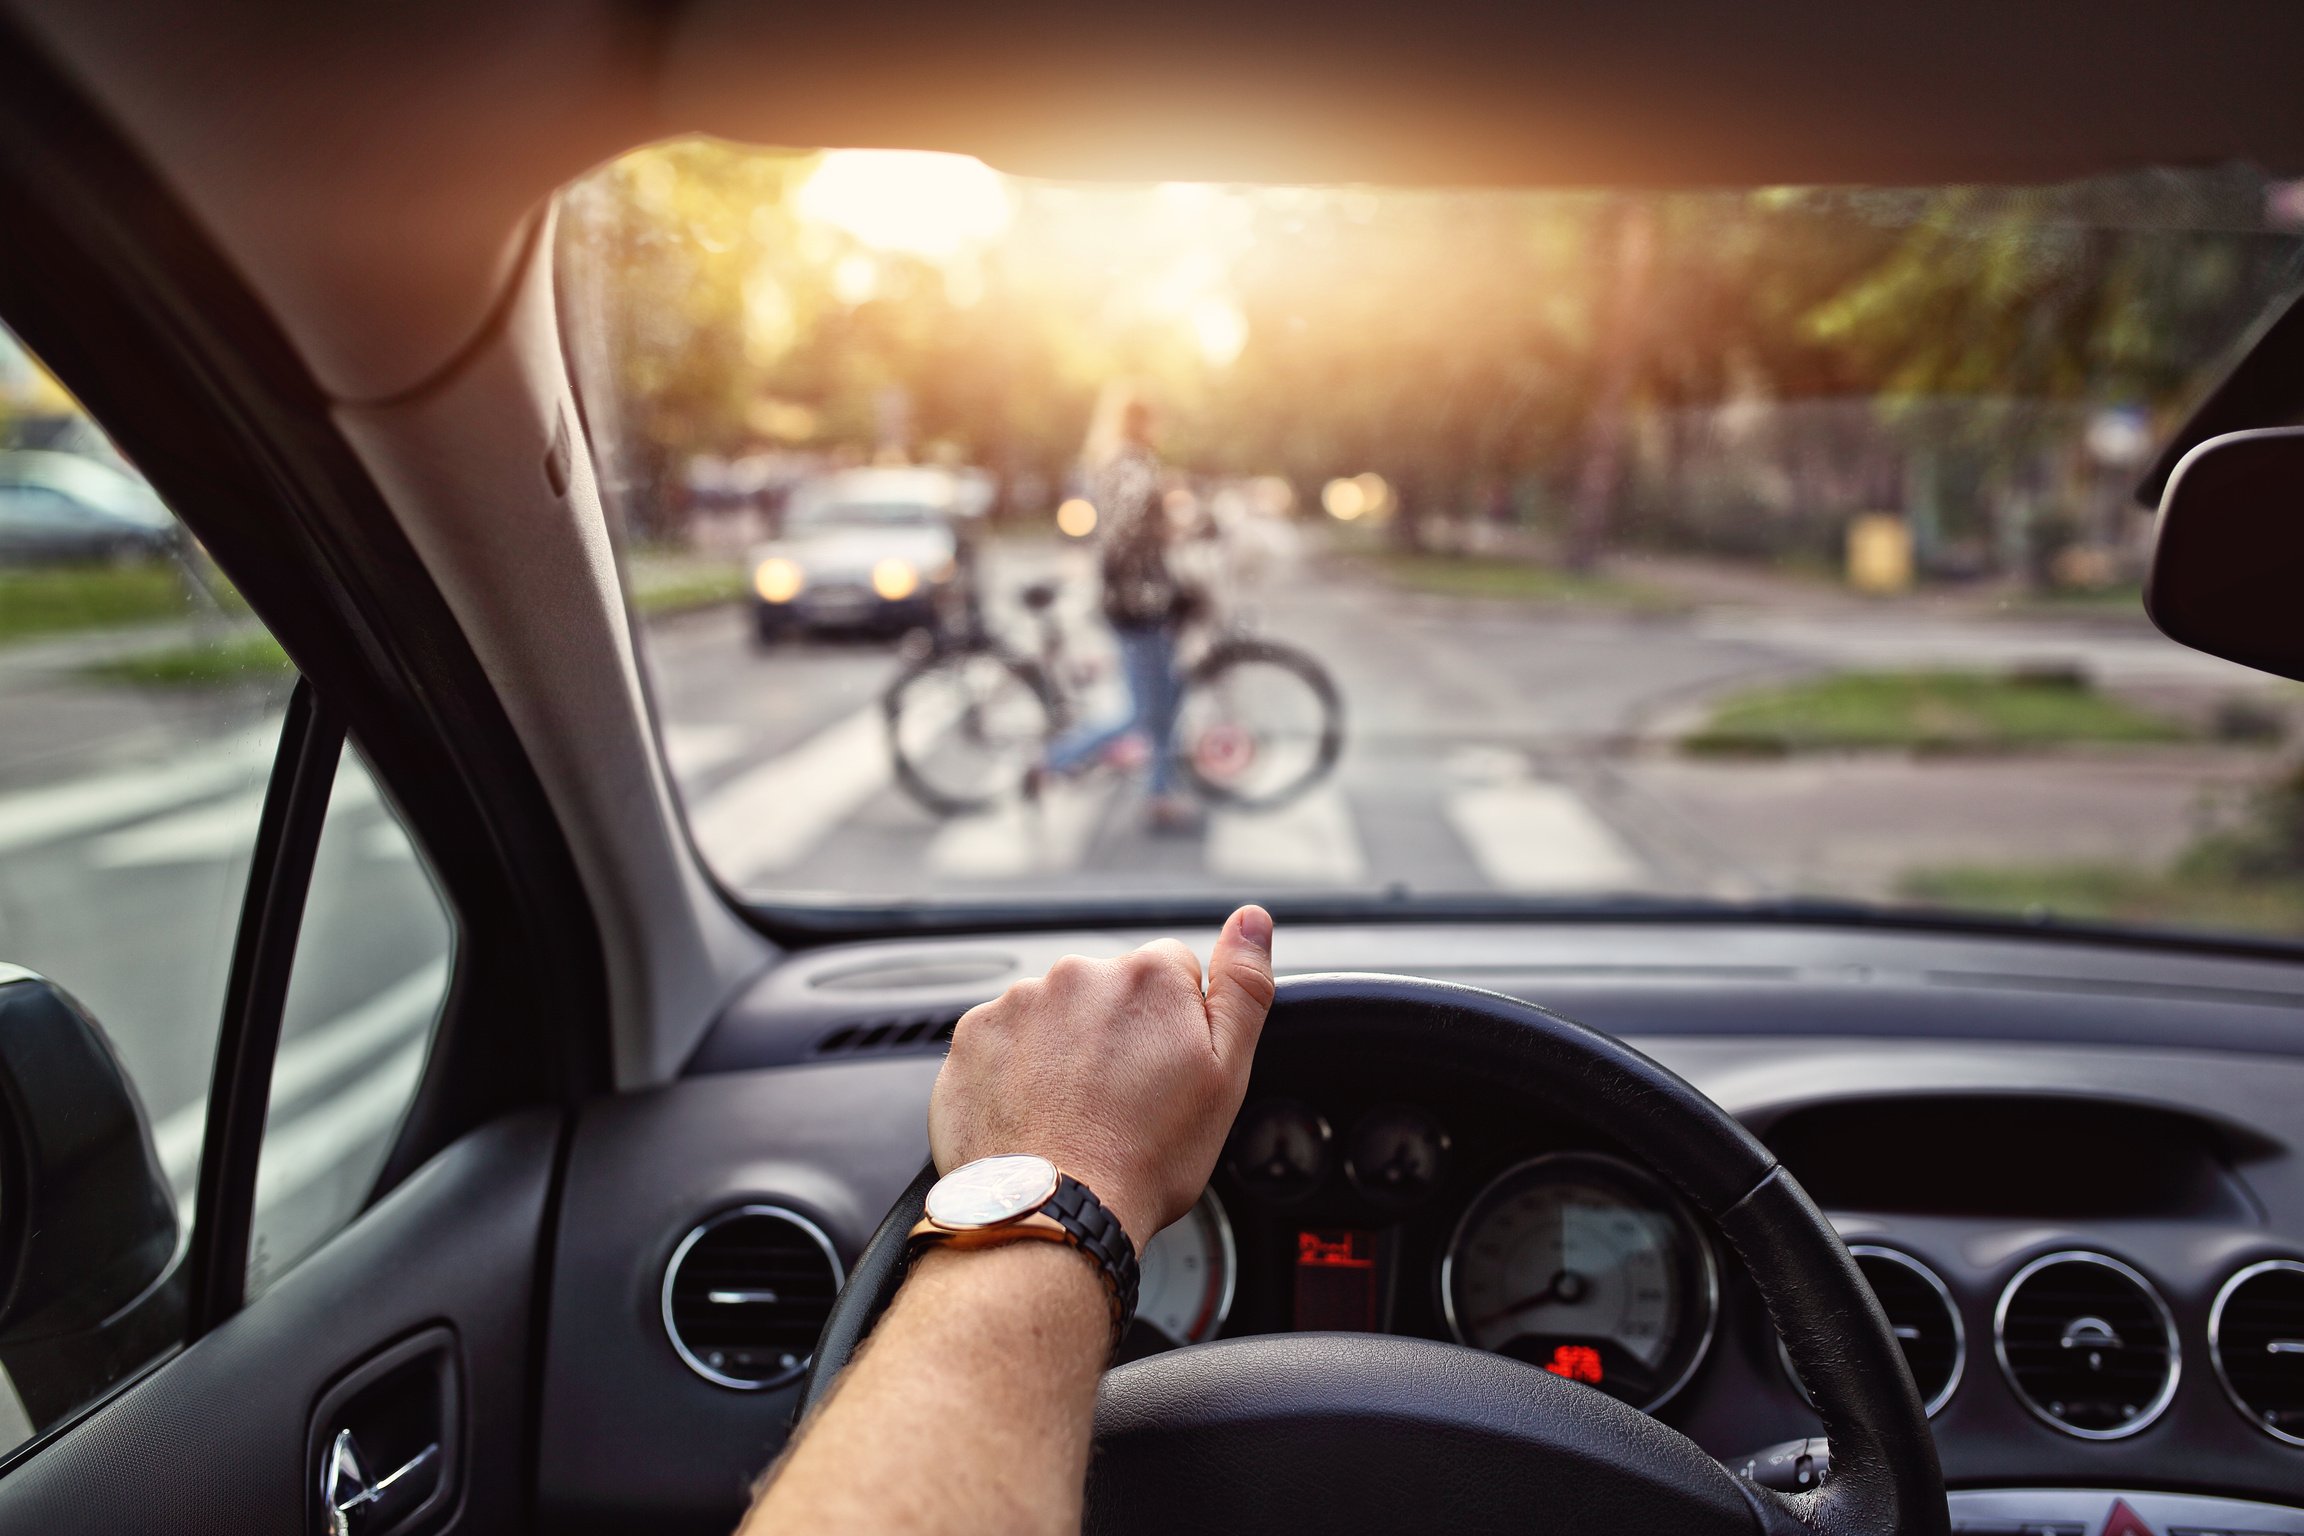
x: 1187, y: 1276
x: 1586, y: 1266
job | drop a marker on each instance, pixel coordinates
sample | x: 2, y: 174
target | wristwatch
x: 1017, y: 1195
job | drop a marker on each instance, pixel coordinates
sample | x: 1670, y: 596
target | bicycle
x: 1258, y: 722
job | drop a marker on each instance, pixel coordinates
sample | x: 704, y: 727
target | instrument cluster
x: 1385, y: 1216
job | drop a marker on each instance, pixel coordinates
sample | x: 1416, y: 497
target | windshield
x: 1424, y: 546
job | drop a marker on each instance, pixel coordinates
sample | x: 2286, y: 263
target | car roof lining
x: 372, y: 167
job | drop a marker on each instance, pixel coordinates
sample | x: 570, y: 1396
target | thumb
x: 1240, y: 983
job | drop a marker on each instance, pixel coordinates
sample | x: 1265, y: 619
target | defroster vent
x: 747, y: 1293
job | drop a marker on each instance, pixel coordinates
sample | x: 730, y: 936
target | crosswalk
x: 826, y: 815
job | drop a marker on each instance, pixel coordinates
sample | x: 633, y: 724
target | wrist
x: 1020, y: 1196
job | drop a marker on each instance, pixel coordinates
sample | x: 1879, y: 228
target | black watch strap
x: 1098, y: 1234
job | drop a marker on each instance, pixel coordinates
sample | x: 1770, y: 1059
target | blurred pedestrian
x: 1147, y: 605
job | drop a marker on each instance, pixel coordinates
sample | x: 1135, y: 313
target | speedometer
x: 1586, y: 1266
x: 1185, y: 1289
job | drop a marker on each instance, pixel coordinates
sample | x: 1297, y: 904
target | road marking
x: 213, y: 833
x: 769, y: 817
x: 1530, y: 834
x: 698, y: 749
x: 55, y: 812
x: 1310, y: 841
x: 310, y: 1059
x: 206, y: 834
x: 1016, y: 838
x: 321, y: 1140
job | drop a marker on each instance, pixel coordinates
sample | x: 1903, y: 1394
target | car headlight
x: 778, y: 580
x: 895, y: 579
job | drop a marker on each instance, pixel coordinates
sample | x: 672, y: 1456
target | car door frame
x: 119, y: 292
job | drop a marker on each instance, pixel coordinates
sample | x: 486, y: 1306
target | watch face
x: 992, y: 1190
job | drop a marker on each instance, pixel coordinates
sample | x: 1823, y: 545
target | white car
x: 861, y: 549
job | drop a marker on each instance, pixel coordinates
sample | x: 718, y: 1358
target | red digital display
x: 1577, y: 1362
x: 1335, y: 1250
x: 1336, y: 1281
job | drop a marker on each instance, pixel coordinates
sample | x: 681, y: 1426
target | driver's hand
x: 1121, y: 1072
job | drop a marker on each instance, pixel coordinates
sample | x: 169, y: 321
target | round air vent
x: 2256, y: 1338
x: 2088, y: 1344
x: 1922, y: 1313
x: 746, y: 1294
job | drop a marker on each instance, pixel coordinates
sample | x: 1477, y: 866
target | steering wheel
x: 1368, y: 1432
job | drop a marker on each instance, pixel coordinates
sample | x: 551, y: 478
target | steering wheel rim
x: 1885, y: 1476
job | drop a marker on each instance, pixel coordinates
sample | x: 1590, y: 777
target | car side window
x: 142, y: 706
x: 372, y: 963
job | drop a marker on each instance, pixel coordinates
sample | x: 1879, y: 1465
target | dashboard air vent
x: 2256, y: 1337
x: 2088, y: 1344
x: 904, y: 1032
x: 746, y: 1294
x: 1922, y: 1313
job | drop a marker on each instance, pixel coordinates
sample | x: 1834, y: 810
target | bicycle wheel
x: 964, y: 725
x: 1258, y: 725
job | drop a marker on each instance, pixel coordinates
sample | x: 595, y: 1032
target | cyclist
x: 1147, y: 605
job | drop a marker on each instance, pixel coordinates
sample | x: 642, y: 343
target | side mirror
x: 88, y: 1231
x: 2227, y: 572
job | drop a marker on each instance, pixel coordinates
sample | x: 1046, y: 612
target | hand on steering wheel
x: 1364, y: 1432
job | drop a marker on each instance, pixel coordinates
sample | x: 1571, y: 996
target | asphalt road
x: 1490, y: 747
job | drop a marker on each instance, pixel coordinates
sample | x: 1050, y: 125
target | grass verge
x: 1924, y: 712
x: 56, y: 599
x: 1515, y: 580
x: 668, y: 584
x: 243, y: 656
x: 2177, y: 898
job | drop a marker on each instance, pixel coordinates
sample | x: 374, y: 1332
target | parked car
x: 60, y: 507
x: 867, y: 550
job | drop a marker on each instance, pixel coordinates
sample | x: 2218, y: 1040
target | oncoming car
x: 859, y: 550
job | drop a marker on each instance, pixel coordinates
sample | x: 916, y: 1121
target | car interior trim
x: 2224, y: 1294
x: 2160, y: 1400
x: 255, y: 1004
x: 688, y: 1356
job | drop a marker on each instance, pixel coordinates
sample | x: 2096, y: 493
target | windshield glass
x: 1430, y: 545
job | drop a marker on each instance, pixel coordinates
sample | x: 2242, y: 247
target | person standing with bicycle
x: 1147, y: 605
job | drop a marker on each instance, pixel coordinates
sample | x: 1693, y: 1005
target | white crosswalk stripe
x: 1018, y: 838
x: 55, y: 813
x: 1534, y: 835
x: 297, y: 1148
x: 767, y: 818
x: 1310, y: 841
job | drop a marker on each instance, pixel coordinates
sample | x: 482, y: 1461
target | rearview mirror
x: 2227, y: 573
x: 87, y: 1220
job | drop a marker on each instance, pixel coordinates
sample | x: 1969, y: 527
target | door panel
x: 218, y: 1440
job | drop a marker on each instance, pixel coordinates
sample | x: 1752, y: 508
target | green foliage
x: 2182, y: 897
x: 1452, y: 341
x: 243, y: 656
x: 671, y: 584
x: 51, y: 599
x: 1923, y: 712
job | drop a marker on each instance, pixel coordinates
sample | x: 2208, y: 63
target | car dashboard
x: 2067, y: 1168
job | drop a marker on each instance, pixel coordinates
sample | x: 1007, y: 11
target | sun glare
x: 929, y: 205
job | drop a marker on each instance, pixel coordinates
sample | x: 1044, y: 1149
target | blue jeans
x: 1148, y: 661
